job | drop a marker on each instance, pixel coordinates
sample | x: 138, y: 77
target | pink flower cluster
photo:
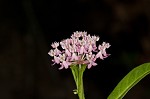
x: 79, y: 49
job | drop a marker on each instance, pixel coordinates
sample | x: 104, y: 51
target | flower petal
x: 67, y: 52
x: 89, y: 66
x: 56, y: 60
x: 74, y: 57
x: 90, y: 48
x: 61, y: 67
x: 66, y: 64
x: 99, y: 55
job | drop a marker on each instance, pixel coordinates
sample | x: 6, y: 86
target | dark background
x: 28, y: 27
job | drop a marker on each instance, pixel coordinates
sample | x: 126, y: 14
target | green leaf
x: 131, y: 79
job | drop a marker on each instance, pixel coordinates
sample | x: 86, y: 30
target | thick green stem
x: 77, y: 71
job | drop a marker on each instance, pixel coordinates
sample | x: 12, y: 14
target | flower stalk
x: 77, y: 72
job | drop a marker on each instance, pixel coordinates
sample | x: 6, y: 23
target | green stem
x: 77, y: 71
x: 80, y: 85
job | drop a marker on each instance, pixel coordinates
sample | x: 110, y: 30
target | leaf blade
x: 131, y: 79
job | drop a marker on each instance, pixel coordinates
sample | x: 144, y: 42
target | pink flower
x: 67, y: 52
x: 102, y: 50
x: 51, y: 53
x: 82, y: 50
x: 91, y: 59
x: 79, y: 49
x: 90, y: 48
x: 99, y: 55
x: 55, y: 45
x: 56, y: 59
x: 74, y: 57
